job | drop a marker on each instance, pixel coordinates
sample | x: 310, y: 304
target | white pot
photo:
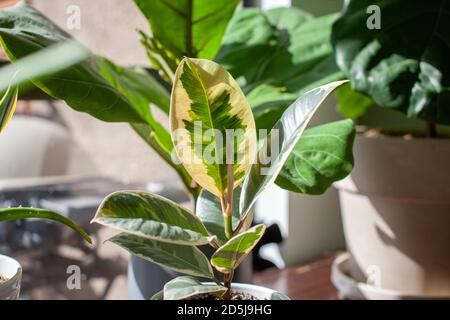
x: 396, y: 214
x: 11, y: 270
x: 261, y: 293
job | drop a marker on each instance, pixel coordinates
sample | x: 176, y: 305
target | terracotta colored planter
x: 396, y: 214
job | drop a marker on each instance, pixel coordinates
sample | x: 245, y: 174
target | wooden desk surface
x: 304, y: 282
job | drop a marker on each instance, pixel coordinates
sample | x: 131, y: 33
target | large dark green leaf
x: 192, y: 28
x: 280, y: 46
x: 280, y: 142
x: 9, y: 214
x: 276, y: 56
x: 322, y: 156
x: 185, y: 259
x: 24, y: 31
x: 231, y: 254
x: 404, y: 64
x: 40, y: 64
x: 209, y: 210
x: 187, y: 287
x: 151, y: 216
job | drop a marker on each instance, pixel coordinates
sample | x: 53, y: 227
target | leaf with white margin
x: 280, y: 142
x: 185, y: 259
x: 187, y: 287
x: 151, y: 216
x: 206, y: 102
x: 231, y: 254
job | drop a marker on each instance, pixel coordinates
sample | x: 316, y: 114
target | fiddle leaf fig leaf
x: 209, y: 211
x: 153, y: 217
x: 206, y: 105
x: 7, y: 106
x: 280, y: 142
x: 402, y: 63
x: 185, y: 259
x: 187, y: 287
x: 192, y: 28
x: 231, y: 254
x: 352, y: 104
x: 322, y: 156
x: 9, y: 214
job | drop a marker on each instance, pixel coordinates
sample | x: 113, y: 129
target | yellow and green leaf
x: 7, y: 106
x: 206, y: 103
x: 231, y: 254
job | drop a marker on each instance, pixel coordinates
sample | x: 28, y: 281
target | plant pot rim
x: 256, y: 289
x: 261, y: 293
x: 10, y: 287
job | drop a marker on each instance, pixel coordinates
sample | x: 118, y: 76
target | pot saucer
x: 354, y: 290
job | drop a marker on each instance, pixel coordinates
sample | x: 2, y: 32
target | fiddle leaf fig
x: 192, y: 28
x: 402, y: 64
x: 322, y: 156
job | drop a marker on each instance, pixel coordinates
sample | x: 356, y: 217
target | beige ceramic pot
x: 396, y: 214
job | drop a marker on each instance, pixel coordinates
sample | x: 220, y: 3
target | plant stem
x: 228, y: 278
x: 431, y: 131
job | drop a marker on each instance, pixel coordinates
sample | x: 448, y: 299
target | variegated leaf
x: 151, y: 216
x: 232, y: 253
x: 206, y: 102
x: 187, y: 287
x: 7, y: 106
x: 185, y: 259
x: 280, y: 142
x: 210, y: 213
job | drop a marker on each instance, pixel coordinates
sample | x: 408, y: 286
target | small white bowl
x: 351, y: 289
x: 12, y: 270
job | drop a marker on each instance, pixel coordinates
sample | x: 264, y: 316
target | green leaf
x: 322, y: 156
x: 276, y: 56
x: 187, y: 287
x: 209, y: 211
x: 40, y: 64
x: 402, y: 65
x: 151, y: 216
x: 352, y: 104
x: 268, y: 103
x: 141, y: 90
x: 7, y: 106
x: 280, y: 142
x: 24, y: 31
x: 231, y: 254
x: 8, y: 214
x: 185, y: 259
x: 192, y: 28
x: 284, y: 47
x: 205, y: 103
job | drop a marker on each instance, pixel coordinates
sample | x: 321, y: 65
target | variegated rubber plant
x: 213, y: 133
